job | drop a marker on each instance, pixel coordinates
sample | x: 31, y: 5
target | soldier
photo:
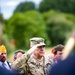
x: 33, y: 62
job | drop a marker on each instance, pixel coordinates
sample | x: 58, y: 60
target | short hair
x: 16, y: 52
x: 58, y: 48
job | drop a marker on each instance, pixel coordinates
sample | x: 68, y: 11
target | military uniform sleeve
x: 20, y: 63
x: 49, y: 65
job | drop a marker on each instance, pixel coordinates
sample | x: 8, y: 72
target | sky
x: 8, y: 6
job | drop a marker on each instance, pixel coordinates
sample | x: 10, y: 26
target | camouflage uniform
x: 28, y: 65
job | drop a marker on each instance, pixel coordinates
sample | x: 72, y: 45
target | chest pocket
x: 36, y: 65
x: 36, y: 68
x: 27, y: 70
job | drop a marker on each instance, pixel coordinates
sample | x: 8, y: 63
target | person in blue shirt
x: 4, y: 71
x: 67, y: 65
x: 3, y: 58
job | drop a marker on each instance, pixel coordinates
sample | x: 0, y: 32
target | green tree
x: 1, y: 18
x: 58, y: 26
x: 25, y: 26
x: 45, y: 5
x: 25, y: 6
x: 60, y: 5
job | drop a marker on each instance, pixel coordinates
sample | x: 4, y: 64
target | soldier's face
x: 40, y: 51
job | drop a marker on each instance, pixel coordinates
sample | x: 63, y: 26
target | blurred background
x: 20, y: 20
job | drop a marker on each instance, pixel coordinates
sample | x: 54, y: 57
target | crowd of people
x: 32, y: 62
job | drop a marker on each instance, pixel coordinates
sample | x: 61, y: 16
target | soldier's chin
x: 42, y: 55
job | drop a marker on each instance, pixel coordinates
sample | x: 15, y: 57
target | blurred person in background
x: 56, y: 53
x: 58, y: 50
x: 3, y: 58
x: 33, y: 62
x: 51, y: 55
x: 18, y: 54
x: 4, y: 71
x: 67, y: 65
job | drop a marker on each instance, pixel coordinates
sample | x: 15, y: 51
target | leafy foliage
x: 58, y: 26
x: 6, y: 42
x: 1, y: 18
x: 25, y: 26
x: 25, y: 6
x: 60, y: 5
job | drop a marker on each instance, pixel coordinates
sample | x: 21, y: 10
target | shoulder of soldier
x: 20, y: 63
x: 47, y: 59
x: 32, y: 59
x: 23, y: 59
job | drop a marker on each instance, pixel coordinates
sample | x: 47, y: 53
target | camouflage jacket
x: 28, y: 65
